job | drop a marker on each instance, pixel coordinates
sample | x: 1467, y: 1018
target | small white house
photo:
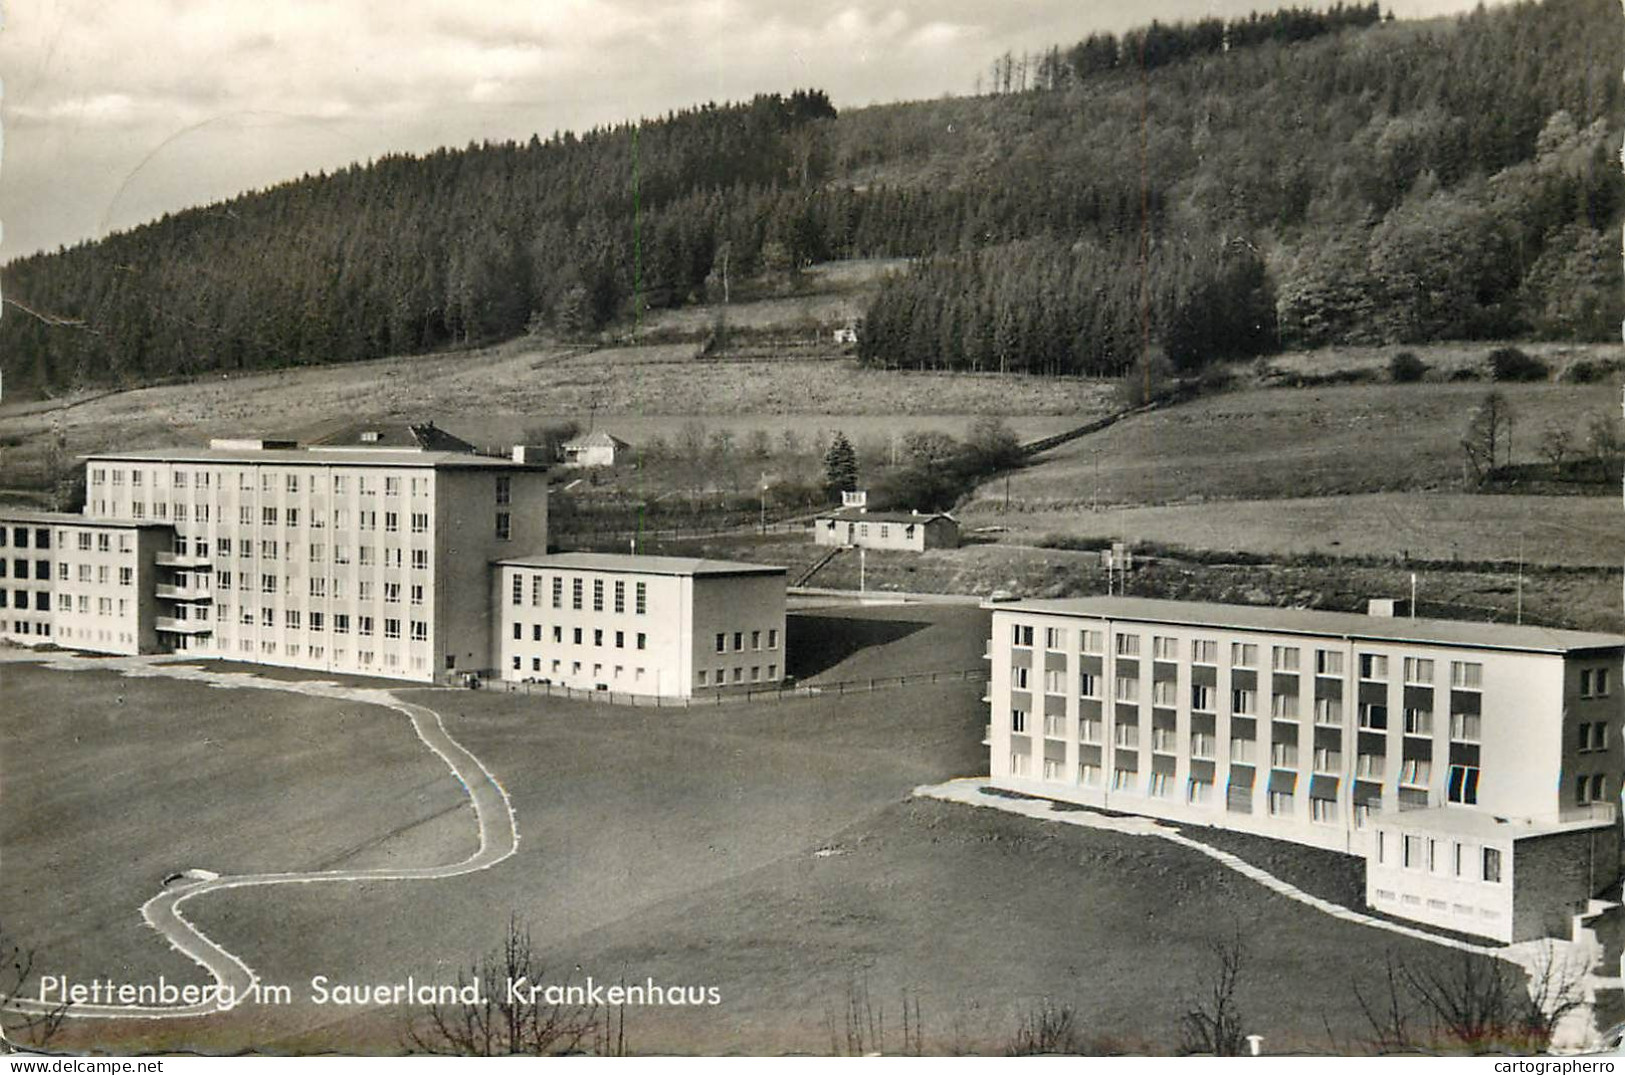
x: 914, y: 531
x: 594, y: 450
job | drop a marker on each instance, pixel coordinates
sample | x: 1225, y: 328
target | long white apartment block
x: 1476, y: 767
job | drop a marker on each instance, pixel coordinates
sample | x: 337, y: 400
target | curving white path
x: 499, y: 838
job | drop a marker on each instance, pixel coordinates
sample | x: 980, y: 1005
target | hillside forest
x: 1193, y: 192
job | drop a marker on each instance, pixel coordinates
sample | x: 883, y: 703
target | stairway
x: 819, y: 566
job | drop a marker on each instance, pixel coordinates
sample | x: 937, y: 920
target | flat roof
x: 321, y: 457
x: 68, y: 518
x: 1354, y: 626
x: 852, y: 515
x: 643, y: 565
x: 1484, y: 824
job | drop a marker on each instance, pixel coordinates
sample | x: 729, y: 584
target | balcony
x: 179, y: 593
x: 183, y: 627
x: 180, y: 559
x: 1602, y: 812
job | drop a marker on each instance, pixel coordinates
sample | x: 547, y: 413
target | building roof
x: 1486, y: 824
x: 320, y: 457
x: 425, y: 436
x: 1350, y: 625
x: 641, y: 565
x: 600, y: 439
x: 855, y: 516
x: 68, y: 518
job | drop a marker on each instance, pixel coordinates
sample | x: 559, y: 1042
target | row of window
x: 755, y: 640
x: 101, y: 574
x: 1444, y: 858
x: 315, y: 552
x: 294, y: 619
x: 578, y: 636
x: 364, y: 658
x: 104, y: 605
x: 24, y: 627
x: 321, y: 587
x: 19, y: 569
x: 553, y: 585
x: 556, y: 667
x: 291, y: 482
x: 1464, y: 675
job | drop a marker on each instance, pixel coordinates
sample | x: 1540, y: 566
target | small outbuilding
x: 915, y: 531
x: 598, y: 449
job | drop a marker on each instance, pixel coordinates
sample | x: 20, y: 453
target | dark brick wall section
x: 1556, y: 874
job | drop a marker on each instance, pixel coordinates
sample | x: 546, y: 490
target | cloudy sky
x: 117, y: 112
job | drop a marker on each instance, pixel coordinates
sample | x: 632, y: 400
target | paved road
x: 499, y: 838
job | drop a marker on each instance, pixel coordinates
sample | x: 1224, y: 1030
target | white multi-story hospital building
x: 377, y: 555
x: 1476, y: 767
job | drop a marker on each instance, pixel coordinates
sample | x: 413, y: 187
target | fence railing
x: 838, y: 688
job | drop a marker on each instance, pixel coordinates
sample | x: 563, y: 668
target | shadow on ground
x: 817, y: 643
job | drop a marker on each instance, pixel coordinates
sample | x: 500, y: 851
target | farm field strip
x: 493, y: 811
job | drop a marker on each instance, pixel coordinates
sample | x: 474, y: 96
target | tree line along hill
x: 1192, y: 191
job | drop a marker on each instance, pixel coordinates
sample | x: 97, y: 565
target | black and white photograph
x: 911, y: 528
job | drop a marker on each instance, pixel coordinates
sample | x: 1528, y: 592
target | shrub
x: 1406, y: 368
x: 1590, y: 371
x: 1466, y: 373
x: 1512, y: 364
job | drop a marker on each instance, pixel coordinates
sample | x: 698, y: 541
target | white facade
x: 648, y: 625
x: 367, y: 561
x: 910, y: 531
x: 1320, y: 728
x: 77, y: 583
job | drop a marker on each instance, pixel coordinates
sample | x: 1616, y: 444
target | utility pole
x: 863, y: 560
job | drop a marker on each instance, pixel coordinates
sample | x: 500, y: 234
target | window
x: 1164, y: 649
x: 1162, y: 692
x: 1284, y: 755
x: 575, y: 635
x: 1593, y: 736
x: 1055, y: 638
x: 1021, y: 635
x: 1328, y: 711
x: 1088, y: 685
x: 620, y: 595
x: 1054, y: 681
x: 641, y: 591
x: 1128, y: 689
x: 598, y: 636
x: 1370, y: 766
x: 1284, y: 658
x: 1415, y: 772
x: 1463, y: 785
x: 392, y: 520
x: 1328, y: 760
x: 643, y: 640
x: 1594, y: 683
x: 1418, y: 670
x: 577, y: 589
x: 1157, y: 785
x: 1201, y: 745
x: 518, y: 591
x: 1280, y: 803
x: 739, y: 641
x: 504, y: 489
x: 1284, y: 706
x: 504, y: 526
x: 1465, y: 727
x: 598, y: 595
x: 1323, y: 810
x: 1418, y: 722
x: 1018, y: 720
x: 1492, y: 865
x: 392, y: 628
x: 1126, y: 734
x: 1089, y: 729
x: 1466, y: 675
x: 1204, y: 651
x: 1019, y: 678
x: 363, y: 625
x: 1410, y: 852
x: 1373, y: 666
x: 417, y: 593
x: 1123, y: 779
x: 1244, y: 655
x: 1373, y: 717
x: 1243, y: 702
x: 1092, y: 641
x: 772, y: 638
x: 1127, y: 645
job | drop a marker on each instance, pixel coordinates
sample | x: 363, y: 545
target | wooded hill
x: 1299, y: 182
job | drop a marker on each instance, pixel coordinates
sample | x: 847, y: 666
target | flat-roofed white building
x: 79, y: 583
x: 914, y: 531
x: 1448, y: 753
x: 650, y: 625
x: 368, y: 560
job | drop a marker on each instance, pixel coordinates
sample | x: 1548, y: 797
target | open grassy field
x: 1584, y: 531
x: 767, y: 850
x: 491, y: 396
x: 112, y: 783
x: 1264, y: 443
